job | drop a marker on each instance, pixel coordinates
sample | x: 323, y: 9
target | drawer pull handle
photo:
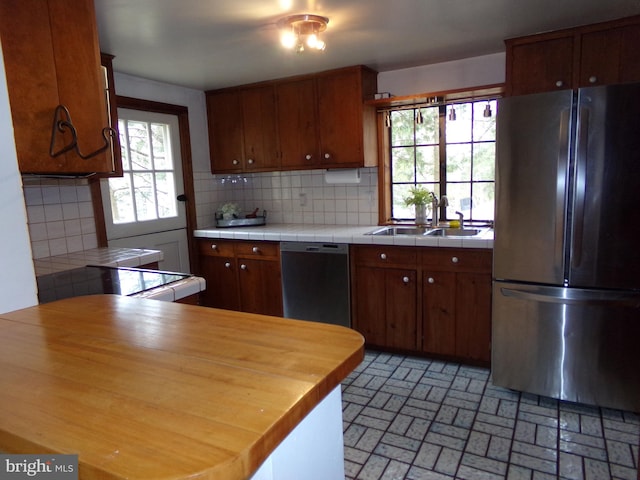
x: 559, y: 83
x: 235, y: 162
x: 255, y: 250
x: 250, y: 161
x: 431, y: 280
x: 243, y: 266
x: 405, y: 279
x: 307, y: 157
x: 214, y: 246
x: 383, y: 256
x: 327, y: 156
x: 454, y: 259
x: 227, y: 265
x: 593, y: 79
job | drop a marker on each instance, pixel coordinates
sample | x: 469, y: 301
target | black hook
x: 61, y: 122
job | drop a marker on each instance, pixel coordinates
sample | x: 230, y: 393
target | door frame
x: 182, y: 113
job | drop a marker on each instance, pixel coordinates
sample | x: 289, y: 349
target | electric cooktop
x: 92, y: 280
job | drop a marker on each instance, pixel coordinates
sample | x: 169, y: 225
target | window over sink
x: 447, y: 147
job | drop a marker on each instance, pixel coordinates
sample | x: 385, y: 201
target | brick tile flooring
x: 415, y: 418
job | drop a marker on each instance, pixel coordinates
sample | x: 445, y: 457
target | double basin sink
x: 429, y: 232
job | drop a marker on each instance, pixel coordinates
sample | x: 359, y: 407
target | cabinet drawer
x: 465, y: 259
x: 385, y: 255
x: 257, y: 249
x: 215, y: 248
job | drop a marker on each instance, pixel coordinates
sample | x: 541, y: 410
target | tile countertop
x: 104, y: 257
x: 341, y: 234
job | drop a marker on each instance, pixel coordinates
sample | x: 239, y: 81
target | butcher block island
x: 142, y: 389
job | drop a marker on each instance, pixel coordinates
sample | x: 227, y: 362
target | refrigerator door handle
x: 561, y: 180
x: 573, y: 296
x: 580, y: 185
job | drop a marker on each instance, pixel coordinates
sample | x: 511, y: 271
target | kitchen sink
x: 453, y: 232
x: 429, y: 232
x: 399, y: 231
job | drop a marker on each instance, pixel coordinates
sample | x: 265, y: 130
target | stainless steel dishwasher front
x: 315, y: 282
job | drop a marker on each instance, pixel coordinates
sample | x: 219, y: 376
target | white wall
x: 17, y: 278
x: 469, y: 72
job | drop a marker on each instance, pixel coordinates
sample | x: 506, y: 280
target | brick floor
x: 415, y: 418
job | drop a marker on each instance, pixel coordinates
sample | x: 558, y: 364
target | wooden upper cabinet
x: 346, y: 125
x: 540, y: 66
x: 311, y: 121
x: 226, y: 138
x: 52, y: 58
x: 610, y: 56
x: 298, y: 124
x: 598, y: 54
x: 259, y: 126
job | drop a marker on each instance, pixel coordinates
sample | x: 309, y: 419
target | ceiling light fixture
x: 301, y: 32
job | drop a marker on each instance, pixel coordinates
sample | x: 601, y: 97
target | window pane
x: 459, y: 163
x: 483, y: 200
x: 459, y: 195
x: 145, y: 199
x: 484, y: 128
x: 124, y: 151
x: 427, y: 131
x: 484, y: 161
x: 160, y: 141
x: 427, y: 164
x: 402, y: 130
x: 402, y: 164
x: 459, y: 130
x: 166, y: 193
x: 121, y: 199
x: 139, y: 145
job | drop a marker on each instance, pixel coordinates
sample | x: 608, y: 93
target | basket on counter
x: 250, y: 220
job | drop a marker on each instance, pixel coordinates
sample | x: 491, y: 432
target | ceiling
x: 207, y: 44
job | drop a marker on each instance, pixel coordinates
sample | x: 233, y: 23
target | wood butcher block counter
x: 142, y: 389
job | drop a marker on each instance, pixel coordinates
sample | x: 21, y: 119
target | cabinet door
x: 610, y: 56
x: 48, y: 64
x: 222, y: 289
x: 439, y: 312
x: 259, y: 129
x: 385, y: 306
x: 224, y: 111
x: 473, y: 316
x: 260, y: 286
x: 340, y: 107
x: 540, y: 66
x: 297, y: 124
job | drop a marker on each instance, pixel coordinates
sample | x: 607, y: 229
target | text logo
x: 45, y: 466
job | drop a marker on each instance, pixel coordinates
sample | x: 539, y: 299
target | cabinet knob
x: 214, y: 246
x: 227, y: 264
x: 559, y: 83
x: 431, y: 280
x: 454, y: 259
x: 593, y: 79
x: 243, y: 267
x: 326, y: 155
x: 307, y: 157
x: 405, y: 279
x: 250, y: 161
x: 235, y: 162
x: 255, y: 250
x: 383, y: 256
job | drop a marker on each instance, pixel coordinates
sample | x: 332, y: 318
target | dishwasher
x: 315, y: 282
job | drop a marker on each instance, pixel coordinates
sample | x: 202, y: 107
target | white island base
x: 314, y: 450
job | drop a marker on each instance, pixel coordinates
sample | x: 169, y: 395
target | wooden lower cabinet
x: 424, y: 300
x: 241, y: 275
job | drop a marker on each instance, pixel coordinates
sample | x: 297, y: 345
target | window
x: 450, y: 150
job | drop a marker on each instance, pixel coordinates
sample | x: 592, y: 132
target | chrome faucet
x: 461, y: 219
x: 435, y: 204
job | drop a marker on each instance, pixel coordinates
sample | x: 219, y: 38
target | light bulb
x: 312, y: 41
x: 288, y: 39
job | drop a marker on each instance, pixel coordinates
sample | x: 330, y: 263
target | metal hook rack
x: 62, y: 122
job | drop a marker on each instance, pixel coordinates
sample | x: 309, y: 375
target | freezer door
x: 572, y: 344
x: 533, y: 145
x: 606, y: 203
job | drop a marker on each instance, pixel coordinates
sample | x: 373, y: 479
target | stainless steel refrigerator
x: 566, y: 292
